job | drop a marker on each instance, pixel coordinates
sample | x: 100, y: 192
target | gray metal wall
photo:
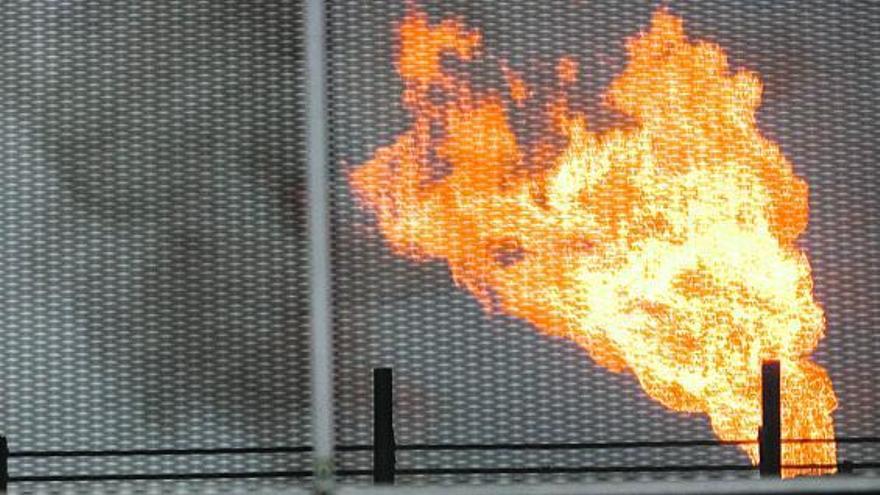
x: 154, y: 251
x: 154, y: 264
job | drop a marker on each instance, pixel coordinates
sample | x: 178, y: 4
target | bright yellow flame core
x: 666, y: 248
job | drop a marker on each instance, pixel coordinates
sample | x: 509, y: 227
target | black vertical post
x: 4, y: 464
x: 383, y: 426
x: 770, y: 433
x: 845, y: 467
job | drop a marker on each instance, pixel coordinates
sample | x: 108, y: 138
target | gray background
x: 153, y: 267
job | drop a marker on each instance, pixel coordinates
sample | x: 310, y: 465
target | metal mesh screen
x: 154, y: 274
x: 153, y: 280
x: 464, y: 377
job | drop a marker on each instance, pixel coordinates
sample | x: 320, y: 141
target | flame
x: 519, y: 91
x: 666, y: 248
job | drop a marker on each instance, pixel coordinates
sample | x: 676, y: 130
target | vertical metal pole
x: 319, y: 236
x: 770, y: 434
x: 383, y: 426
x: 4, y: 464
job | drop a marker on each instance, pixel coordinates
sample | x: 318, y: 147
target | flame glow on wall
x: 665, y: 248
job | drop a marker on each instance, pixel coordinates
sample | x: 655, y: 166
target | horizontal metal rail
x: 623, y: 445
x: 427, y: 447
x: 427, y: 471
x: 181, y: 452
x: 800, y: 486
x: 178, y: 476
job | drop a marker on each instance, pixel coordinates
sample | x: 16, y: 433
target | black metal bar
x: 162, y: 452
x: 159, y: 476
x: 845, y: 467
x: 383, y: 426
x: 179, y: 476
x: 4, y: 464
x: 181, y: 452
x: 647, y: 444
x: 577, y: 469
x: 573, y: 446
x: 367, y: 472
x: 770, y: 433
x: 426, y: 471
x: 427, y: 446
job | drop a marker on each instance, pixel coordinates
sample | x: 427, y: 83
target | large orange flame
x: 666, y: 248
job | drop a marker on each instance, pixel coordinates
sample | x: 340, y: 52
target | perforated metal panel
x: 153, y: 281
x: 153, y: 273
x: 464, y: 377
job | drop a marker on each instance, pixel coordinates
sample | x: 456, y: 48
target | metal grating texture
x: 154, y: 289
x: 464, y: 377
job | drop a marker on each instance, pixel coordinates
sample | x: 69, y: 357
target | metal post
x: 770, y: 433
x: 4, y: 464
x: 383, y: 426
x: 319, y: 237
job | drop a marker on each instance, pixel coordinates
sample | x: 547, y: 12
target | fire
x: 666, y: 248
